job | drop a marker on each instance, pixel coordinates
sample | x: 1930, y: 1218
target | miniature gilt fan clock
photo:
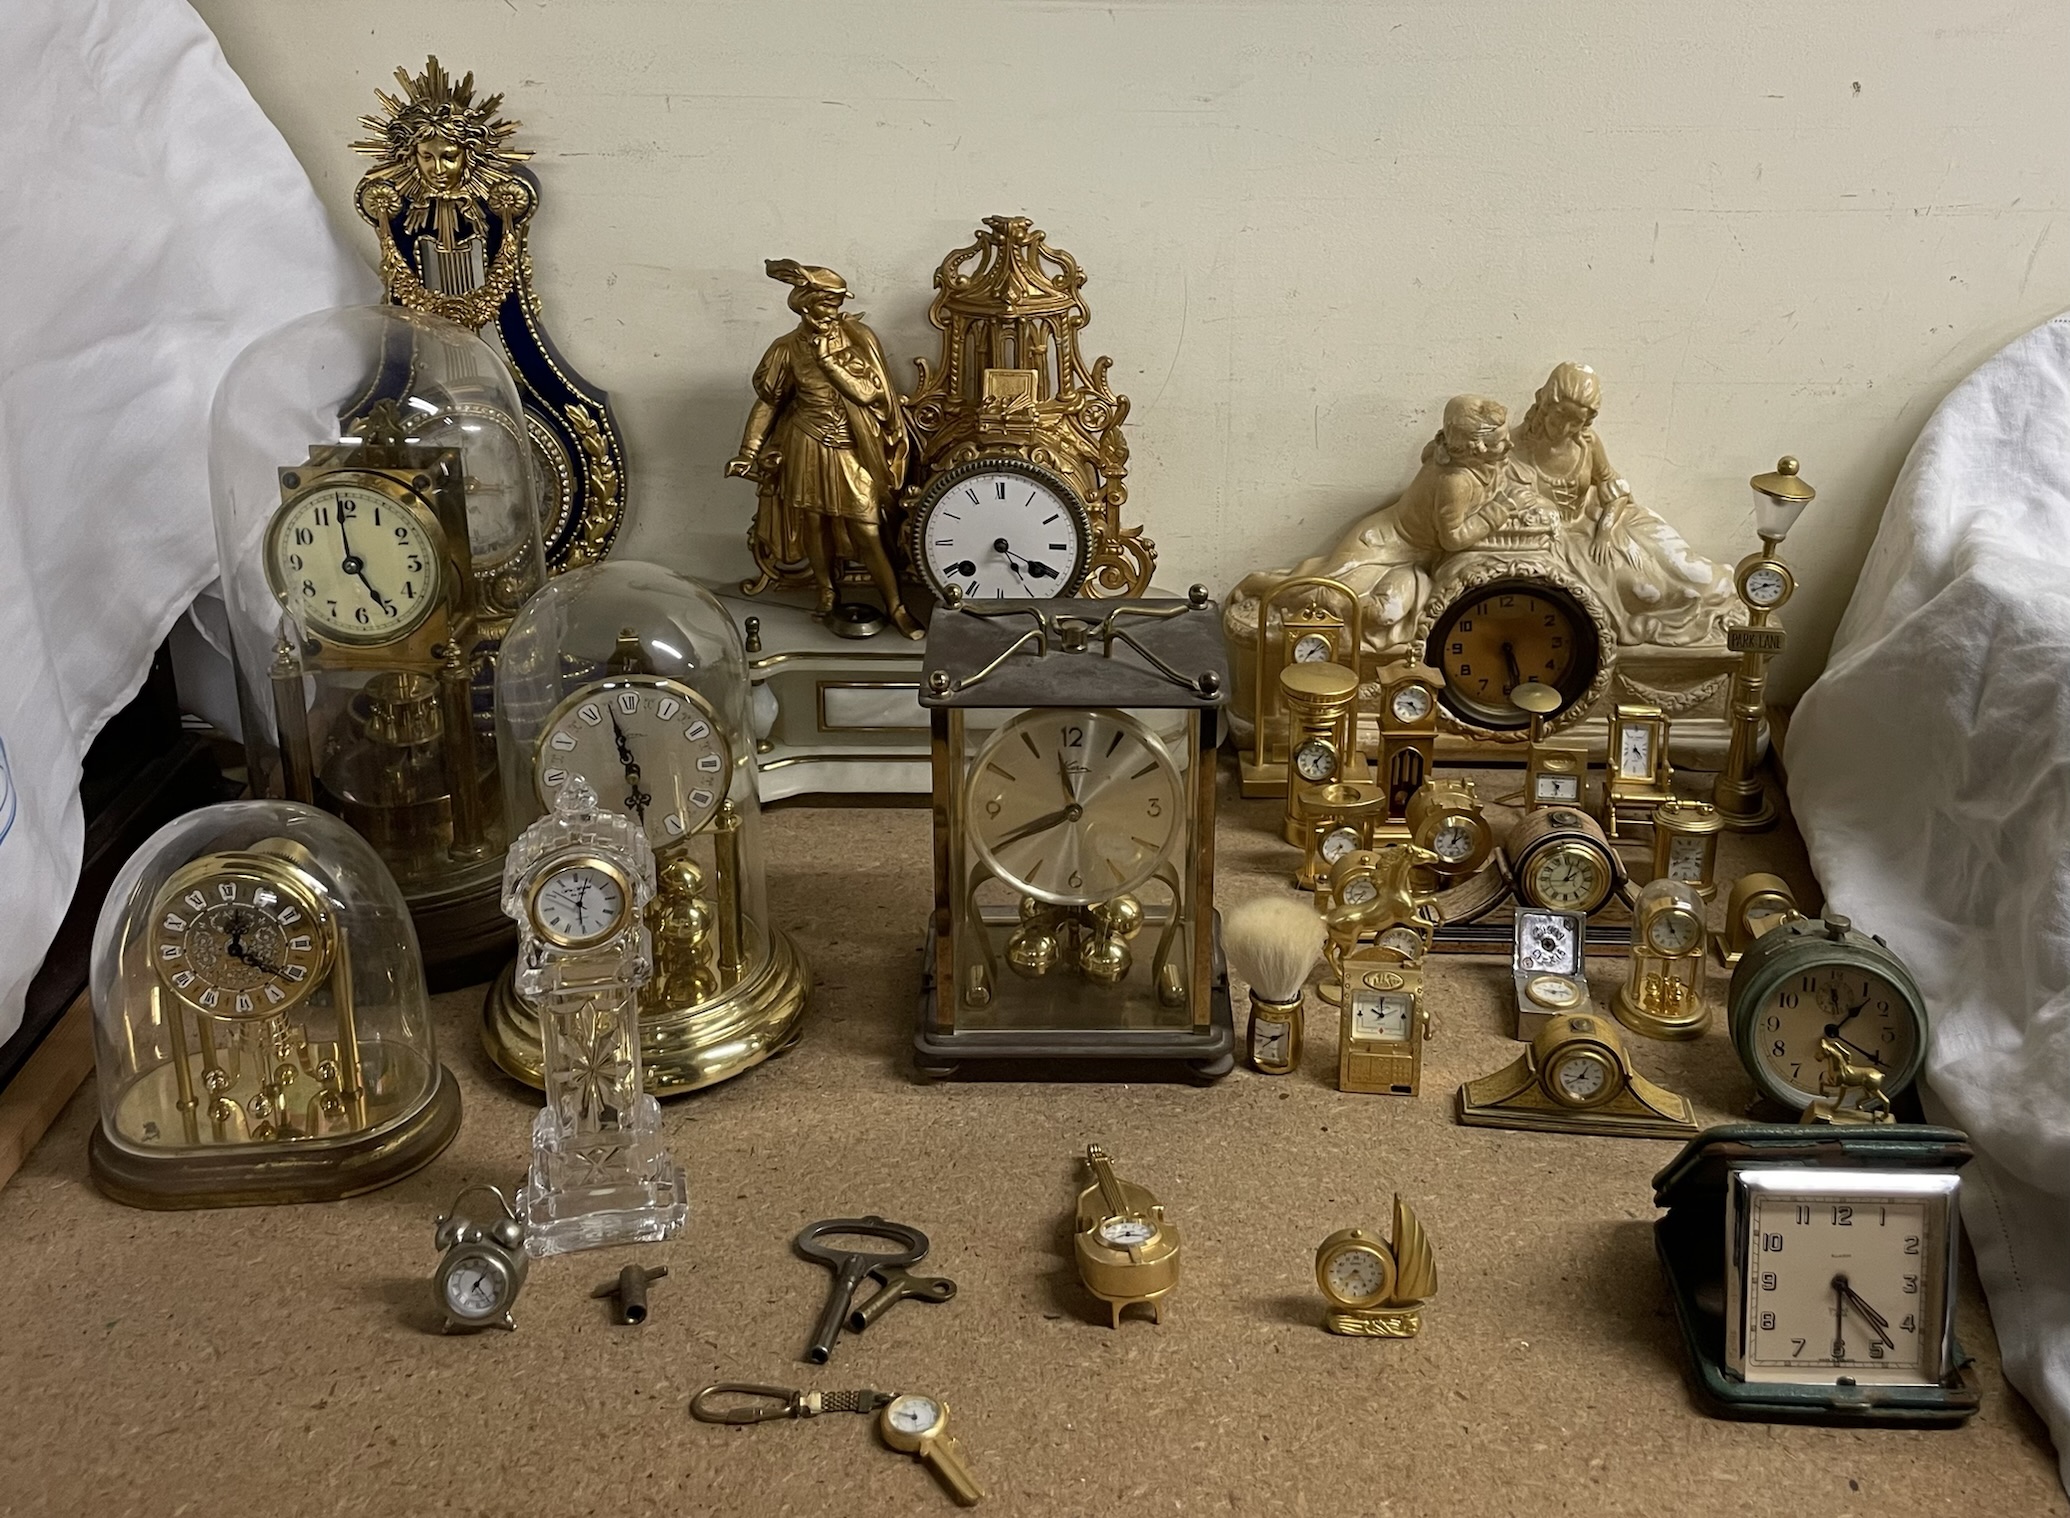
x: 1021, y: 460
x: 1074, y: 803
x: 262, y: 1032
x: 373, y: 510
x: 632, y: 678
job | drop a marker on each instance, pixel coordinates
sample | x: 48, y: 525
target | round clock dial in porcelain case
x: 1490, y: 639
x: 1000, y: 527
x: 645, y: 742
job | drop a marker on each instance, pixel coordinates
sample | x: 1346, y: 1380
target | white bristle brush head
x: 1272, y: 943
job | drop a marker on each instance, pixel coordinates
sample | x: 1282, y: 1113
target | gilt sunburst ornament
x: 434, y: 110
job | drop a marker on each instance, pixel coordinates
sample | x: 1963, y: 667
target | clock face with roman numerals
x: 1000, y: 528
x: 238, y: 936
x: 647, y: 745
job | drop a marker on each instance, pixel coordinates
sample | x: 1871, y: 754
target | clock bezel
x: 554, y: 865
x: 405, y: 500
x: 937, y: 489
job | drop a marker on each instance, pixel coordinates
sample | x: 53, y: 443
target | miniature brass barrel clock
x: 633, y: 678
x: 261, y: 1028
x: 1322, y: 715
x: 1074, y: 808
x: 374, y: 515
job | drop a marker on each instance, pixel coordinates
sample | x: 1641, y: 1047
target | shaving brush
x: 1272, y: 943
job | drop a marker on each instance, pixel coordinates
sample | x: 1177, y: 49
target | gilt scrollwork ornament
x: 451, y: 203
x: 1012, y: 381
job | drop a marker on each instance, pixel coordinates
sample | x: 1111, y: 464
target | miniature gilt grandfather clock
x: 1013, y: 418
x: 1074, y: 818
x: 1408, y: 731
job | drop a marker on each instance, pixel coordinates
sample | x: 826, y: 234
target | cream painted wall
x: 1771, y: 226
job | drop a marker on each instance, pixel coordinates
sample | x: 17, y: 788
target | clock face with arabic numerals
x: 1000, y: 528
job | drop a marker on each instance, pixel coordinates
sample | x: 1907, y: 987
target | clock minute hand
x: 1878, y: 1324
x: 1041, y: 824
x: 355, y: 566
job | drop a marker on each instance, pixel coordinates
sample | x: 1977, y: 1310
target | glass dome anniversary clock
x: 635, y: 679
x: 372, y: 490
x: 1074, y: 814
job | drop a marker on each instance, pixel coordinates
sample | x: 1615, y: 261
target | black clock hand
x: 1036, y: 567
x: 1878, y: 1324
x: 635, y: 798
x: 1839, y: 1317
x: 1064, y: 774
x: 355, y: 566
x: 1509, y: 657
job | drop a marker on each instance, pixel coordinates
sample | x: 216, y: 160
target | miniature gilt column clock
x: 1318, y: 620
x: 1408, y: 732
x: 373, y: 506
x: 1322, y: 722
x: 1018, y: 481
x: 1765, y: 584
x: 577, y: 882
x: 1074, y: 807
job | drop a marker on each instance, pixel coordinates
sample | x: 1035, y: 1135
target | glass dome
x: 634, y: 677
x: 375, y: 517
x: 260, y: 1025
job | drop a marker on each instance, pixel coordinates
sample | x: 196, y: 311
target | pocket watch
x: 1376, y: 1288
x: 1685, y: 844
x: 1662, y: 995
x: 1127, y: 1252
x: 1000, y: 526
x: 1549, y: 967
x: 1576, y: 1078
x: 1756, y: 903
x: 1813, y: 991
x: 1445, y: 818
x: 1561, y: 859
x: 1837, y: 1275
x: 1382, y: 1024
x: 483, y: 1269
x: 1338, y: 819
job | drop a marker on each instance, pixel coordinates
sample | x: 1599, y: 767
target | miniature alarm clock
x: 1560, y: 858
x: 1662, y: 995
x: 483, y: 1269
x: 1814, y: 992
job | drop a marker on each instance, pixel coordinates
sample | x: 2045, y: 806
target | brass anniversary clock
x: 1019, y: 483
x: 1074, y: 837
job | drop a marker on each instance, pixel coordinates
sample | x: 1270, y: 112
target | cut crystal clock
x: 1074, y: 836
x: 261, y: 1027
x: 578, y: 882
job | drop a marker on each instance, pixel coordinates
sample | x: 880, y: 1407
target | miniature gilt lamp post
x: 1764, y: 583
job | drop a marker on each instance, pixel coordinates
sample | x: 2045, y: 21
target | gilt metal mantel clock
x: 1074, y: 825
x: 451, y: 205
x: 1019, y: 478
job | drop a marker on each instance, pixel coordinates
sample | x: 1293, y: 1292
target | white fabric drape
x: 1930, y: 772
x: 154, y: 223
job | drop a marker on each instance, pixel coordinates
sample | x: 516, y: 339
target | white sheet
x: 154, y: 223
x: 1930, y: 773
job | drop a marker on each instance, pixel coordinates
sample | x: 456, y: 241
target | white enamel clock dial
x: 1555, y: 991
x: 1685, y: 859
x: 1559, y: 788
x: 1316, y: 760
x: 1547, y: 943
x: 1384, y: 1017
x: 1072, y: 806
x: 1001, y: 528
x: 1338, y: 842
x: 474, y: 1288
x: 579, y: 904
x: 1635, y: 752
x: 237, y: 942
x: 1357, y: 1275
x: 1568, y: 879
x: 911, y: 1414
x: 1674, y: 932
x: 1411, y: 703
x: 1358, y: 890
x: 645, y: 743
x: 1581, y: 1078
x: 1312, y: 648
x: 1453, y: 842
x: 352, y: 565
x: 1126, y: 1233
x: 1404, y: 942
x: 1766, y: 586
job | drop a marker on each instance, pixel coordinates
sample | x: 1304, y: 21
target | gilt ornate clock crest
x: 451, y: 202
x: 1012, y: 410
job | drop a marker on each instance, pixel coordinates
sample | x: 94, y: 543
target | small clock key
x: 919, y: 1426
x: 897, y: 1285
x: 850, y: 1266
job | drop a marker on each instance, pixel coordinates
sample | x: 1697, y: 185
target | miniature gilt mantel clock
x: 364, y: 607
x: 633, y: 678
x: 261, y: 1027
x: 1074, y: 809
x: 451, y: 204
x: 1018, y: 480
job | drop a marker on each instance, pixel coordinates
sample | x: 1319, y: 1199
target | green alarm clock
x: 1820, y: 1012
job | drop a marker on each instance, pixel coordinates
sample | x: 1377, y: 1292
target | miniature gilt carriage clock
x: 1074, y: 806
x: 373, y: 508
x: 1018, y: 484
x: 1639, y: 777
x: 1685, y: 844
x: 261, y: 1028
x: 634, y: 678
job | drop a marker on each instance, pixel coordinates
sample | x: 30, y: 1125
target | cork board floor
x: 278, y: 1361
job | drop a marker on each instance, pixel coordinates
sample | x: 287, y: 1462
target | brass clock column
x: 1765, y: 583
x: 1322, y: 717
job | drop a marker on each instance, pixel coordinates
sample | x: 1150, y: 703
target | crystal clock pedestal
x: 590, y: 1191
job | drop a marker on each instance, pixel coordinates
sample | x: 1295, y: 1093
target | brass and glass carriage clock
x: 361, y: 462
x: 633, y: 678
x: 1408, y: 731
x: 1310, y: 619
x: 1074, y: 806
x: 1321, y: 702
x: 1013, y: 415
x: 1685, y: 844
x: 261, y: 1026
